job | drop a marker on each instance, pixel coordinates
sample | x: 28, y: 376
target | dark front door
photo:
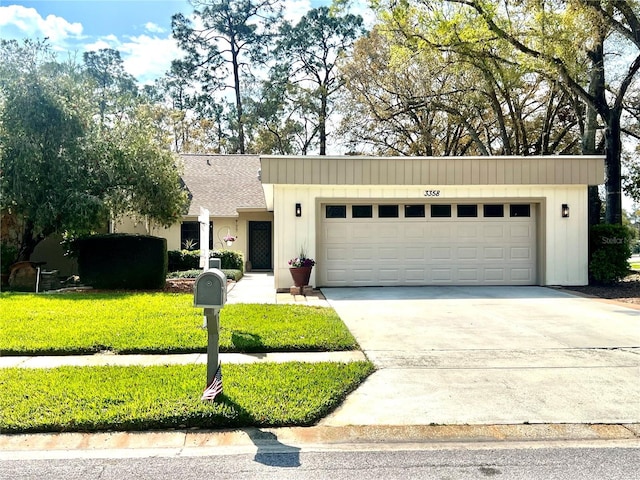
x: 260, y: 245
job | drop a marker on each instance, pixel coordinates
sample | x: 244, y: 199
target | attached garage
x: 379, y: 221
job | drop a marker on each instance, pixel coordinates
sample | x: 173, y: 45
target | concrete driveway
x: 490, y: 355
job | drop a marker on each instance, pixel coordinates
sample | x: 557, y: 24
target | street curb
x: 181, y: 441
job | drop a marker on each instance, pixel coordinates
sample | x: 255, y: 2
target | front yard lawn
x: 123, y: 322
x: 143, y: 398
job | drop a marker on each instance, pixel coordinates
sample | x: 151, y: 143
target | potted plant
x: 229, y: 239
x: 300, y: 268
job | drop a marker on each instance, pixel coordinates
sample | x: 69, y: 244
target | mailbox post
x: 210, y: 293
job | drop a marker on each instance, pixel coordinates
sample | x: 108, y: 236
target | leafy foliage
x: 610, y: 252
x: 61, y: 171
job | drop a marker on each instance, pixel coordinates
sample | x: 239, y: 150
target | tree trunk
x: 589, y: 148
x: 322, y: 122
x: 236, y: 86
x: 29, y: 242
x: 613, y: 169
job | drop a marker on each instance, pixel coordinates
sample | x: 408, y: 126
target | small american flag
x: 215, y: 388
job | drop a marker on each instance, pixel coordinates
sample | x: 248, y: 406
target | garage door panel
x: 428, y: 251
x: 363, y: 253
x: 442, y: 275
x: 522, y: 275
x: 467, y: 232
x: 417, y: 254
x: 467, y: 253
x: 493, y: 231
x: 494, y: 275
x: 494, y: 253
x: 340, y: 254
x: 389, y: 253
x: 441, y: 253
x: 467, y: 274
x: 520, y: 253
x: 520, y: 231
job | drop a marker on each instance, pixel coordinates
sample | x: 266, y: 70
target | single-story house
x: 229, y: 187
x: 378, y: 221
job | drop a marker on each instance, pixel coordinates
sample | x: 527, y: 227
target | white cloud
x: 145, y: 57
x: 148, y: 58
x: 19, y: 21
x: 153, y: 28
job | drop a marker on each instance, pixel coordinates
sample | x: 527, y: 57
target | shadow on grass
x: 247, y: 342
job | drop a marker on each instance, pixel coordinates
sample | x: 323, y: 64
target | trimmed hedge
x: 610, y: 247
x: 180, y: 260
x: 122, y: 261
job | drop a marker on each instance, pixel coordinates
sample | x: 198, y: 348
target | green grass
x: 142, y: 398
x: 634, y: 265
x: 84, y: 323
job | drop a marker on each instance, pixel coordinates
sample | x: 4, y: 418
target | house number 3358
x: 432, y: 193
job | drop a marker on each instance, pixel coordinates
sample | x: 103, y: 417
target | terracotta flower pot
x: 300, y: 275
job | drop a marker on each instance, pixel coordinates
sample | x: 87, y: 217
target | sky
x: 139, y: 29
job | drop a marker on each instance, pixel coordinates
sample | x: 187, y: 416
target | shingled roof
x: 223, y: 183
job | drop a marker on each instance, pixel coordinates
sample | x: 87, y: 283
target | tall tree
x: 114, y: 87
x: 421, y: 101
x: 547, y: 37
x: 60, y: 170
x: 311, y: 50
x: 226, y: 35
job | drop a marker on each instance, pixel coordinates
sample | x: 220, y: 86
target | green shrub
x: 229, y: 259
x: 122, y: 261
x: 610, y: 247
x: 231, y: 274
x: 181, y: 260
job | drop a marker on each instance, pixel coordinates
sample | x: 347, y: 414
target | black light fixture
x: 565, y: 210
x: 298, y: 210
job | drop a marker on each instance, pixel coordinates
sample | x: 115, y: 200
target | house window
x: 388, y: 211
x: 520, y: 210
x: 190, y: 235
x: 493, y: 211
x: 413, y: 211
x: 467, y: 211
x: 361, y: 211
x: 336, y: 211
x: 440, y: 211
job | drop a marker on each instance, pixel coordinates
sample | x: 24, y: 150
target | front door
x: 260, y: 245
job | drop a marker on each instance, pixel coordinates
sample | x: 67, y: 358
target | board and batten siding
x: 562, y: 242
x: 346, y: 170
x: 548, y: 182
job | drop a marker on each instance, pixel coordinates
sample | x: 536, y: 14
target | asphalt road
x: 566, y: 461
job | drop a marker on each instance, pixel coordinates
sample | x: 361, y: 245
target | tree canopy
x: 62, y: 168
x: 577, y: 43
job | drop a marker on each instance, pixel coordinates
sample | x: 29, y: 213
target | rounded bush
x: 610, y: 251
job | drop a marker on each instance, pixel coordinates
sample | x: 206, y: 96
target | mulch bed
x: 179, y: 285
x: 628, y: 290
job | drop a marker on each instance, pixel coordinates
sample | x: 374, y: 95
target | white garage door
x: 427, y: 244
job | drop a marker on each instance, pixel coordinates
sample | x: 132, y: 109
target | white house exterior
x: 378, y: 221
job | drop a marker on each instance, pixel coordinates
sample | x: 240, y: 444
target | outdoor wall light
x: 298, y: 210
x: 565, y: 210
